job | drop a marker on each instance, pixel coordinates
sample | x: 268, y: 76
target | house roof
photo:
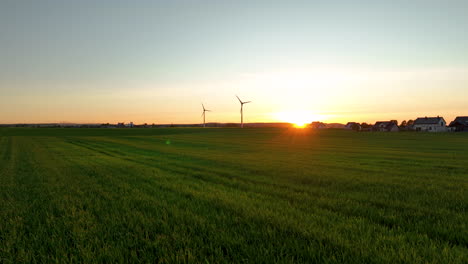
x: 352, y: 123
x: 381, y: 122
x: 385, y: 124
x: 463, y: 120
x: 428, y: 120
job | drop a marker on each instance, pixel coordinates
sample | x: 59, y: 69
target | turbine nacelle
x: 205, y: 110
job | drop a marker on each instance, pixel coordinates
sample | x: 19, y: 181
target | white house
x: 430, y: 124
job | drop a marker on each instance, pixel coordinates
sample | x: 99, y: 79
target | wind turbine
x: 242, y: 110
x: 204, y: 110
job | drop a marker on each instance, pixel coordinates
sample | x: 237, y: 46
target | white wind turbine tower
x: 204, y: 110
x: 242, y: 110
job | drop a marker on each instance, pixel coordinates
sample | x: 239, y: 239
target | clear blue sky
x: 156, y: 61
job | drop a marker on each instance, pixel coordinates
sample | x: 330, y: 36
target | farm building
x: 460, y: 123
x: 353, y: 126
x: 366, y: 127
x: 318, y: 125
x: 385, y: 126
x: 430, y: 124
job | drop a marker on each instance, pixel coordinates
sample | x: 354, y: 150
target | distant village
x: 426, y: 124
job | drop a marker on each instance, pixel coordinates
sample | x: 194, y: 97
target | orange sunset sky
x: 297, y: 61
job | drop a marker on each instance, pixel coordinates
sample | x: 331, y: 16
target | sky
x: 99, y: 61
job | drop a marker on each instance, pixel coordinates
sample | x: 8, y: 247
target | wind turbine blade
x: 239, y: 99
x: 203, y: 107
x: 247, y: 102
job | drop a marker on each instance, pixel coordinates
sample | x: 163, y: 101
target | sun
x: 298, y: 118
x: 300, y: 124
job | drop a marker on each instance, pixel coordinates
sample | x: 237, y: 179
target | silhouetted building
x: 386, y: 126
x: 460, y: 124
x: 317, y: 125
x: 366, y: 127
x: 353, y: 126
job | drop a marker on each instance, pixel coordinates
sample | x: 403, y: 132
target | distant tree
x: 403, y: 123
x: 394, y: 121
x: 410, y: 123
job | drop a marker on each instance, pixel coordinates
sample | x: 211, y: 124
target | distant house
x: 335, y: 126
x: 353, y: 126
x: 317, y: 125
x: 430, y: 124
x: 460, y: 124
x: 366, y: 127
x: 386, y: 126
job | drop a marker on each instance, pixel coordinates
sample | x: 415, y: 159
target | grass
x: 229, y: 195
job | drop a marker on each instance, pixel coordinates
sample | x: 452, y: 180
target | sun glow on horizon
x: 299, y: 118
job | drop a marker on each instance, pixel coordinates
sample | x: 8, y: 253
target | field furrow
x: 218, y: 195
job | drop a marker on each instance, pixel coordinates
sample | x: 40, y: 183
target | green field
x: 231, y: 195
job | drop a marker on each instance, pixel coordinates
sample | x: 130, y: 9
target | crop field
x: 220, y: 195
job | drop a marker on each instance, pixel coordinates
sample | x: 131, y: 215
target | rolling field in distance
x: 225, y: 195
